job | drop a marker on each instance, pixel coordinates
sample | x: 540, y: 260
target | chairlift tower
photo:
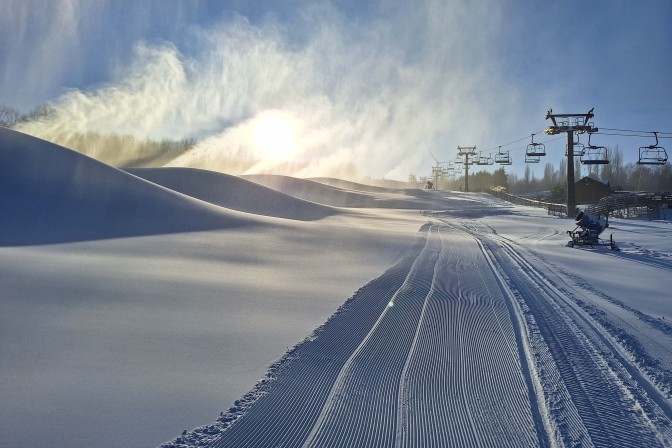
x: 570, y: 123
x: 465, y: 152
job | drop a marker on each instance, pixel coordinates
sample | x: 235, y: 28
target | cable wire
x: 636, y: 132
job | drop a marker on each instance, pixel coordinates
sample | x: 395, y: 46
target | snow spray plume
x: 373, y: 96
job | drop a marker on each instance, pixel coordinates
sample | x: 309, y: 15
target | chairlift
x: 579, y: 122
x: 483, y: 160
x: 652, y: 154
x: 530, y: 158
x: 594, y: 155
x: 503, y: 158
x: 579, y: 147
x: 535, y: 149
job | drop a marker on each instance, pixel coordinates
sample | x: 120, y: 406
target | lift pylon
x: 570, y: 123
x: 466, y: 155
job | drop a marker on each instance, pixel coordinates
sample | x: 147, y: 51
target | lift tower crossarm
x: 566, y: 126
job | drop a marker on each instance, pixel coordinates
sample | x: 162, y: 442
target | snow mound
x: 234, y: 192
x: 336, y: 196
x: 51, y: 194
x: 349, y: 185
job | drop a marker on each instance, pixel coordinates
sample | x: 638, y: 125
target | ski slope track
x: 469, y: 340
x: 601, y: 399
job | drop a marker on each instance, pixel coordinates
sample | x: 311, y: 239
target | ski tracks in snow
x: 464, y: 342
x: 593, y: 395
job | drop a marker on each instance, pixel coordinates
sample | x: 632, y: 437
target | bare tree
x: 8, y: 116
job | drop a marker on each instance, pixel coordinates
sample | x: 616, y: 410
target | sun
x: 275, y: 137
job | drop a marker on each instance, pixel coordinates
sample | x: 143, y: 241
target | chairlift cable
x: 511, y: 143
x: 648, y: 135
x: 637, y: 132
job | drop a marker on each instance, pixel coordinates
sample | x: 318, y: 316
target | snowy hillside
x: 234, y: 193
x: 52, y: 194
x: 343, y: 195
x: 137, y: 305
x: 489, y: 332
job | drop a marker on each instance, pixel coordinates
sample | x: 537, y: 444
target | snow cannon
x: 588, y: 221
x: 588, y: 229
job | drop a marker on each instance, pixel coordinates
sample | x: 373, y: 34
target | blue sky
x: 377, y: 84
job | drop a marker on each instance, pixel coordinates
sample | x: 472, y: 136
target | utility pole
x: 570, y: 123
x: 466, y: 151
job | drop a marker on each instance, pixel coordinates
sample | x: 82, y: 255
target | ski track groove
x: 476, y: 348
x: 586, y: 369
x: 362, y: 408
x: 285, y: 415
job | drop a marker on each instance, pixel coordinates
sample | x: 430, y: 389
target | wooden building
x: 590, y: 190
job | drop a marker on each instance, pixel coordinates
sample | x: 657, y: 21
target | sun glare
x: 275, y: 137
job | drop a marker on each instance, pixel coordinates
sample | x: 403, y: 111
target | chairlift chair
x: 579, y: 148
x: 531, y: 158
x: 652, y: 154
x: 503, y: 158
x: 594, y: 155
x: 535, y: 149
x: 483, y: 160
x: 581, y: 121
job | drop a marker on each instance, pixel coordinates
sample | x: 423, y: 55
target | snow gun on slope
x: 588, y: 230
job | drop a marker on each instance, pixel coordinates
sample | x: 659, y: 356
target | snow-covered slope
x: 349, y: 195
x: 489, y: 332
x: 355, y: 186
x: 480, y: 329
x: 234, y: 192
x: 52, y: 194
